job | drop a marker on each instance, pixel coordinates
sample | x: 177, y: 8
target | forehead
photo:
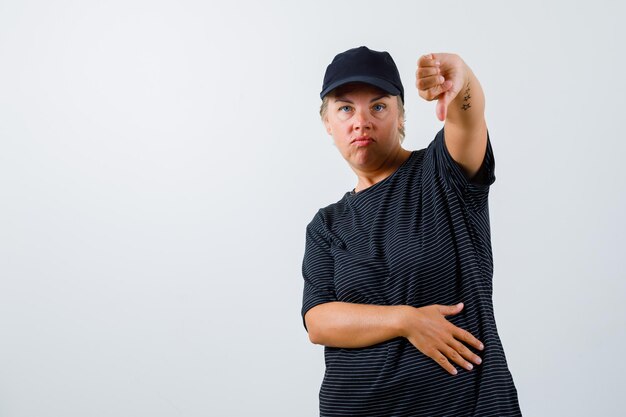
x: 357, y: 88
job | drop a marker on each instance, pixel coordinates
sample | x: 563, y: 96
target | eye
x: 379, y: 107
x: 345, y: 109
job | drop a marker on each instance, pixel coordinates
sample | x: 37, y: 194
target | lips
x: 362, y: 141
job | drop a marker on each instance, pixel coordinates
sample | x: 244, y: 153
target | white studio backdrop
x: 159, y: 162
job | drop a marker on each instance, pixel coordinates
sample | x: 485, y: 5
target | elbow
x: 315, y: 334
x: 315, y: 337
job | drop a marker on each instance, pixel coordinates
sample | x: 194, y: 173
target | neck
x: 367, y: 178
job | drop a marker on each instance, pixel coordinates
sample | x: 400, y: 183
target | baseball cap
x: 366, y: 66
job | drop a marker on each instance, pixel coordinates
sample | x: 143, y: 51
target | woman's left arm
x: 461, y: 103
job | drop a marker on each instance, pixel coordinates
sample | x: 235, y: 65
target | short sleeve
x: 317, y: 267
x: 474, y: 192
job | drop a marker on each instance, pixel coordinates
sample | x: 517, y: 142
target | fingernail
x: 479, y: 361
x: 454, y: 371
x: 481, y: 347
x: 470, y: 366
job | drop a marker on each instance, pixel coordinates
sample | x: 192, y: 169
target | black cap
x: 365, y: 66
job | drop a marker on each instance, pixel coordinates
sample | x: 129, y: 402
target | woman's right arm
x: 348, y: 325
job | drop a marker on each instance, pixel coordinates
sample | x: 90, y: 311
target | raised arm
x: 461, y: 103
x: 348, y: 325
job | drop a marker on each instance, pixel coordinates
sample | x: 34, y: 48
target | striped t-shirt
x: 419, y: 237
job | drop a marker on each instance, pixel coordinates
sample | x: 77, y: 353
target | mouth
x: 362, y: 141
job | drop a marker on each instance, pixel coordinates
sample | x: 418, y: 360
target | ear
x: 327, y: 126
x: 401, y: 128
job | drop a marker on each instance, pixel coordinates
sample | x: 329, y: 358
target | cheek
x: 339, y: 126
x: 331, y: 125
x: 384, y: 121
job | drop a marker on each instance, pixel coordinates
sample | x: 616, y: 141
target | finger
x: 467, y: 338
x: 427, y: 60
x: 428, y: 83
x: 434, y: 92
x: 457, y: 358
x: 443, y: 362
x: 441, y: 110
x: 427, y: 71
x: 444, y: 99
x: 450, y: 310
x: 465, y: 352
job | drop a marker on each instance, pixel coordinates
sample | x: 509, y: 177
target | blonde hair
x: 324, y: 109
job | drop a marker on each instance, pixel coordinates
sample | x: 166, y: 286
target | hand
x: 428, y: 330
x: 441, y: 77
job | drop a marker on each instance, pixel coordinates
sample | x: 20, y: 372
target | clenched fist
x: 441, y: 77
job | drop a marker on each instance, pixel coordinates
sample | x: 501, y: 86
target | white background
x: 159, y: 161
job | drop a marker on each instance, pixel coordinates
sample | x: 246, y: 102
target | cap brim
x: 376, y: 82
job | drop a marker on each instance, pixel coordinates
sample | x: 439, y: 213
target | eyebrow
x: 345, y: 100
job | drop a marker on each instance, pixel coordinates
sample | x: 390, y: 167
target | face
x: 363, y: 121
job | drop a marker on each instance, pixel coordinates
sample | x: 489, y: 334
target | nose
x: 362, y: 119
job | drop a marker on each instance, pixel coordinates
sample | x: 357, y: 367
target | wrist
x: 401, y: 316
x: 468, y: 80
x: 468, y: 107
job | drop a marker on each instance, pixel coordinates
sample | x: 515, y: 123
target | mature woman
x: 397, y: 274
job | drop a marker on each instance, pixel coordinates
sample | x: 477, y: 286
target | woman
x: 397, y: 274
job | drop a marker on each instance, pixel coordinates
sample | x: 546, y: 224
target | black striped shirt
x: 419, y: 237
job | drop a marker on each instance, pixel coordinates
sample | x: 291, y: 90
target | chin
x: 361, y: 158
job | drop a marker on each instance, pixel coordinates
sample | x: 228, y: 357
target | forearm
x: 348, y: 325
x: 465, y: 128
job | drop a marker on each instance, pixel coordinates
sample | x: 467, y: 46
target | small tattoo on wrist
x: 466, y: 97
